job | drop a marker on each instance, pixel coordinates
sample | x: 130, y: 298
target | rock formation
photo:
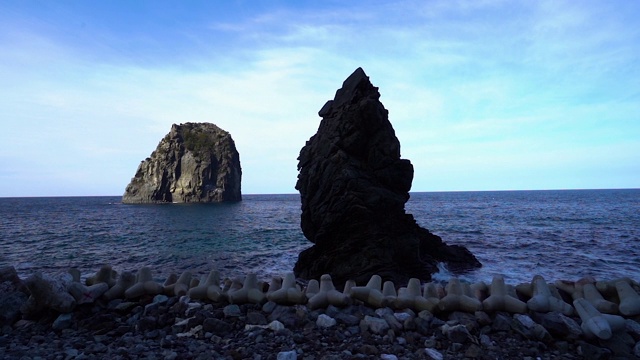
x: 195, y: 162
x: 353, y: 187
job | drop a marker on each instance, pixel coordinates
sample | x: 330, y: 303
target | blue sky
x: 483, y: 95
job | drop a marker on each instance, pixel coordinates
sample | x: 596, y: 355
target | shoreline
x: 251, y: 320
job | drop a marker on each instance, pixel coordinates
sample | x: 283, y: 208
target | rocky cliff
x: 353, y: 186
x: 195, y: 162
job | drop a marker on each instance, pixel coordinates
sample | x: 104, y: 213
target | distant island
x: 193, y: 163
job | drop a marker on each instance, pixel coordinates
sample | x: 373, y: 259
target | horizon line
x: 295, y: 193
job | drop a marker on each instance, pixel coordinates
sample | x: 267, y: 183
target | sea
x: 559, y: 234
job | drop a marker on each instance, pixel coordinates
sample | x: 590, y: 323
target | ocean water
x: 564, y: 234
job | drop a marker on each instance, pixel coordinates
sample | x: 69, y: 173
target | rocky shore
x: 174, y: 325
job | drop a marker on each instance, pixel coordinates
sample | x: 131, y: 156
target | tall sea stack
x: 195, y: 162
x: 353, y: 187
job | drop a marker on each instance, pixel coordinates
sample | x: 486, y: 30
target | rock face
x: 353, y: 187
x: 195, y: 162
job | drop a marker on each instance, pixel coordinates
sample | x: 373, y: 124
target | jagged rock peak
x: 353, y: 187
x: 194, y: 162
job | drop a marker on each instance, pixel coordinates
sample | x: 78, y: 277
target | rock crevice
x: 353, y: 187
x: 194, y: 162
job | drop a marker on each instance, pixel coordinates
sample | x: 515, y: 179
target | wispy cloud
x: 489, y: 86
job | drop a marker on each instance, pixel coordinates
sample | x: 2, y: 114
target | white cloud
x: 472, y: 88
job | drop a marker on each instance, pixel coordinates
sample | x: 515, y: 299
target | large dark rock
x: 195, y: 162
x: 353, y: 186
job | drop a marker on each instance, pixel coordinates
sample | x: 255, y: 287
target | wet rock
x: 10, y: 303
x: 347, y: 319
x: 560, y: 325
x: 63, y: 321
x: 368, y: 349
x: 376, y: 325
x: 474, y: 351
x: 287, y: 355
x: 621, y: 344
x: 457, y: 333
x: 216, y: 326
x: 633, y: 328
x: 256, y: 318
x: 325, y: 321
x: 232, y: 311
x: 502, y: 323
x: 592, y: 352
x: 433, y: 354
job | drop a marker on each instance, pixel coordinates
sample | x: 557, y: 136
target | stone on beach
x: 360, y: 329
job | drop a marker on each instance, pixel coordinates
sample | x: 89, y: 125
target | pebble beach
x: 170, y: 326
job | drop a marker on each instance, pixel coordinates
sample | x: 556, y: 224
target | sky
x: 482, y: 94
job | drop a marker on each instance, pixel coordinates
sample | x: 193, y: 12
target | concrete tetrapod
x: 288, y: 293
x: 629, y: 299
x: 411, y: 297
x: 144, y: 285
x: 595, y: 324
x: 275, y: 284
x: 87, y: 294
x: 480, y: 290
x: 200, y: 292
x: 328, y: 295
x: 543, y: 301
x: 371, y: 294
x: 48, y: 293
x: 457, y: 300
x: 313, y: 287
x: 169, y: 284
x: 181, y: 287
x: 500, y: 300
x: 574, y: 288
x: 231, y: 286
x: 389, y: 292
x: 125, y: 281
x: 348, y: 285
x: 104, y: 275
x: 249, y: 293
x: 592, y: 295
x: 608, y: 287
